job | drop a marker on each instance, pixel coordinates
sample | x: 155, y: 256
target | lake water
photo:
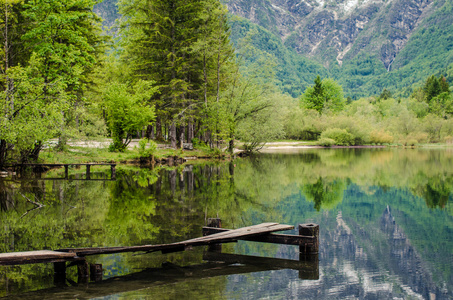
x: 385, y: 217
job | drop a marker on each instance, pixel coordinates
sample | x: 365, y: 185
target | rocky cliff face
x: 338, y: 30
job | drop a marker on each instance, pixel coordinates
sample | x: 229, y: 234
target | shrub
x: 411, y: 142
x: 147, y: 152
x: 326, y: 142
x: 340, y: 136
x: 380, y: 137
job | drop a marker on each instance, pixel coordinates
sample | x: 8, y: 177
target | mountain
x: 366, y: 45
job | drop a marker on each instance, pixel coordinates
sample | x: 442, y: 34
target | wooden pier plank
x: 30, y: 257
x: 235, y: 234
x: 273, y: 238
x: 70, y: 254
x: 221, y: 237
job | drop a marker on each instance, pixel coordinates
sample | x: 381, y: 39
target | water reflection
x: 386, y: 219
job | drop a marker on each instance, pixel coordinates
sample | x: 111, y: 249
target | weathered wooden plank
x: 235, y: 234
x: 30, y: 257
x: 221, y: 237
x: 273, y: 238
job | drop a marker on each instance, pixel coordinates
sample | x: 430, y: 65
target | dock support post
x: 96, y: 272
x: 309, y: 230
x: 59, y: 273
x: 113, y: 172
x: 217, y: 223
x: 82, y: 272
x: 88, y: 172
x: 66, y: 171
x: 309, y: 253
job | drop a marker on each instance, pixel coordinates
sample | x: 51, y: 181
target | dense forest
x: 169, y: 71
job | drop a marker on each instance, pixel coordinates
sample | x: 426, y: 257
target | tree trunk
x: 159, y: 135
x: 190, y: 133
x: 173, y: 135
x: 182, y: 135
x: 231, y: 145
x: 150, y: 132
x: 3, y: 152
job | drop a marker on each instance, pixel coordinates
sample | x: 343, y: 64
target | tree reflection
x: 324, y: 194
x: 437, y: 192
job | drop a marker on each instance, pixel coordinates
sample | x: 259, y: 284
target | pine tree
x: 173, y: 43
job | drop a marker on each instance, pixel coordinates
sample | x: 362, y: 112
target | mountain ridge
x: 367, y: 46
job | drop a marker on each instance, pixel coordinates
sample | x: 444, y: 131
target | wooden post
x: 88, y: 176
x: 113, y: 172
x: 66, y: 171
x: 96, y: 272
x: 82, y: 272
x: 309, y: 252
x: 217, y: 223
x: 309, y: 230
x: 59, y: 273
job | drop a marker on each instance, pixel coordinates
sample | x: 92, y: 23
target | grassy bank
x: 78, y: 154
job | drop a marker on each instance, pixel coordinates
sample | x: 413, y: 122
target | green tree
x: 35, y: 116
x: 323, y: 96
x: 435, y: 86
x: 127, y: 110
x: 386, y: 94
x: 66, y: 35
x: 56, y: 43
x: 181, y: 46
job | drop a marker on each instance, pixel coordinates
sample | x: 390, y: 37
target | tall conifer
x: 172, y: 43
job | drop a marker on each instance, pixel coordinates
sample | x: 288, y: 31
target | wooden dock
x: 213, y: 236
x: 34, y: 257
x: 227, y: 236
x: 66, y: 168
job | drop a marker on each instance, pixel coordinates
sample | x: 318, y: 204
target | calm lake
x: 385, y: 216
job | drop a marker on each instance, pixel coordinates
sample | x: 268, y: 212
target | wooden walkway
x: 33, y: 257
x: 72, y: 254
x: 228, y: 236
x: 66, y: 168
x: 219, y: 264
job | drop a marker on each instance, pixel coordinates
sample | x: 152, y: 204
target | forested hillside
x: 367, y: 46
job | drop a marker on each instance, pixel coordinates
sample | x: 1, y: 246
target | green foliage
x: 386, y: 94
x: 326, y: 142
x: 340, y: 136
x: 293, y: 72
x: 127, y: 111
x: 324, y: 194
x: 147, y: 151
x: 324, y: 96
x: 184, y: 47
x: 51, y: 47
x: 30, y: 115
x: 380, y: 137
